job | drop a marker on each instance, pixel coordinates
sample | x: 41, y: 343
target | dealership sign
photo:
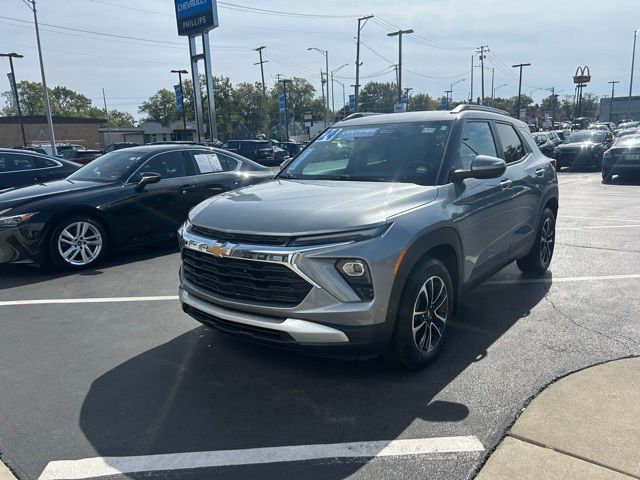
x: 196, y: 16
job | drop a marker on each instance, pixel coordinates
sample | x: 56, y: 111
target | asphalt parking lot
x: 105, y: 364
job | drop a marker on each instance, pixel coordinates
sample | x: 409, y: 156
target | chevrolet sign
x: 196, y: 16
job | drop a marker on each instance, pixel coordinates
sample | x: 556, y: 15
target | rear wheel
x: 77, y: 242
x: 538, y: 259
x: 425, y: 310
x: 606, y: 176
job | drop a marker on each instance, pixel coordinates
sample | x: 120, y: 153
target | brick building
x: 83, y: 131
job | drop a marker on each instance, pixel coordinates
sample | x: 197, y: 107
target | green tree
x: 249, y: 106
x: 161, y: 107
x: 378, y: 97
x: 422, y: 101
x: 120, y: 119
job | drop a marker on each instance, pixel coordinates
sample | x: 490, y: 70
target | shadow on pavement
x: 22, y: 274
x: 203, y: 391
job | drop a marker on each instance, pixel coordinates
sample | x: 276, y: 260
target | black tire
x: 85, y: 243
x: 404, y: 349
x: 606, y: 176
x: 539, y: 258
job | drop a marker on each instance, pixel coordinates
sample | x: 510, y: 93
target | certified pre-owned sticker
x: 328, y: 135
x: 359, y: 133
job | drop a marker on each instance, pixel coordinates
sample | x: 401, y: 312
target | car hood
x: 16, y: 197
x: 299, y: 207
x: 575, y: 145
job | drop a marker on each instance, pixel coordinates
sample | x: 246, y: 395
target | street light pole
x: 493, y: 97
x: 613, y: 92
x: 520, y: 65
x: 184, y: 114
x: 32, y: 5
x: 455, y: 83
x: 14, y: 86
x: 333, y: 105
x: 399, y: 34
x: 357, y: 85
x: 326, y: 59
x: 633, y: 58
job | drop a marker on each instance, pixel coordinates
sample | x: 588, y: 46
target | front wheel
x: 425, y: 311
x: 606, y: 176
x: 77, y: 242
x: 538, y: 259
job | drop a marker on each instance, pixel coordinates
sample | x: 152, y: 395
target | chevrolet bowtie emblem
x: 219, y: 250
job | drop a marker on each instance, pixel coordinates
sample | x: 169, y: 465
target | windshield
x: 403, y: 152
x: 585, y: 136
x: 629, y: 141
x: 540, y: 138
x: 110, y: 167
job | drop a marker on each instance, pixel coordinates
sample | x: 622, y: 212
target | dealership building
x: 83, y: 131
x: 623, y: 109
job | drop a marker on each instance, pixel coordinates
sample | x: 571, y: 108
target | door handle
x: 540, y: 171
x: 186, y: 188
x: 505, y: 183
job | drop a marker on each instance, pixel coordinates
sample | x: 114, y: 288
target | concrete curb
x: 584, y: 425
x: 5, y: 473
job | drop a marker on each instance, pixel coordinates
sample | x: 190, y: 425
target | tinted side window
x: 477, y: 139
x: 168, y: 165
x: 511, y: 144
x: 11, y: 162
x: 44, y: 162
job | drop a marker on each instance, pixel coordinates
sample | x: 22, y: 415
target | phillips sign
x: 196, y: 16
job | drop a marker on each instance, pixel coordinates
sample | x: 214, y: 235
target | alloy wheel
x: 546, y: 242
x: 80, y: 243
x: 430, y: 313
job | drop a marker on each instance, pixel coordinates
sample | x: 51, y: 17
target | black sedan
x: 23, y: 167
x: 623, y: 158
x: 545, y: 144
x: 583, y: 148
x: 126, y: 197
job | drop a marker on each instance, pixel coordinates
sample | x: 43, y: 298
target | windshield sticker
x: 328, y: 135
x: 359, y: 133
x: 208, y: 163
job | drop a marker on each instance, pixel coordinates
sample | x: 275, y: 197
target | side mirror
x: 147, y: 179
x: 483, y: 166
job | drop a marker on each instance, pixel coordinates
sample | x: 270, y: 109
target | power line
x: 420, y: 39
x: 374, y: 52
x: 436, y: 77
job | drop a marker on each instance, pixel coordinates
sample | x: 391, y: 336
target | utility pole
x: 554, y: 100
x: 471, y: 94
x: 326, y: 59
x: 360, y: 27
x: 399, y: 34
x: 286, y: 125
x: 520, y: 65
x: 14, y: 87
x: 324, y: 102
x: 47, y: 106
x: 493, y: 76
x: 264, y: 87
x: 481, y: 51
x: 447, y: 92
x: 633, y: 58
x: 184, y: 114
x: 613, y: 92
x: 106, y: 115
x: 278, y: 75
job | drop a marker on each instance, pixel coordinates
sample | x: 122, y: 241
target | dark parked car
x: 22, y: 167
x: 583, y: 148
x: 81, y: 156
x: 126, y: 197
x: 622, y: 158
x: 119, y: 146
x: 365, y: 242
x: 260, y: 151
x: 544, y: 143
x: 292, y: 148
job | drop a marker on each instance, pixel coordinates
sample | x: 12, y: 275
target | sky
x: 141, y: 45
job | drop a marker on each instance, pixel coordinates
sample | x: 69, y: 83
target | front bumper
x: 583, y: 157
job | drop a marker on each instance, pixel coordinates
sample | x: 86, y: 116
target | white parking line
x: 600, y: 218
x: 102, y: 466
x: 599, y: 227
x: 50, y: 301
x: 634, y: 276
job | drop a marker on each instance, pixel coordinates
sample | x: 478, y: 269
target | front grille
x: 239, y: 329
x: 245, y: 238
x: 259, y: 282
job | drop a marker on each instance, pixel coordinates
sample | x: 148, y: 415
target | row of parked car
x: 604, y: 146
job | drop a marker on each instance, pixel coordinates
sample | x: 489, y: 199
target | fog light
x: 353, y: 269
x: 356, y: 274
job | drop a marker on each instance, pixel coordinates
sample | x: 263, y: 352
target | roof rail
x: 469, y: 106
x: 360, y: 115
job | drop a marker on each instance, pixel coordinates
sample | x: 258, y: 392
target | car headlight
x: 340, y: 237
x: 15, y: 220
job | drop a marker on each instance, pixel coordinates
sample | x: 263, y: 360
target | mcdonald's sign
x: 583, y: 75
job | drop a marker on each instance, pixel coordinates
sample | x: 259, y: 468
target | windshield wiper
x: 287, y: 175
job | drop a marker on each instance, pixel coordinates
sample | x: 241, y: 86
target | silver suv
x: 365, y: 241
